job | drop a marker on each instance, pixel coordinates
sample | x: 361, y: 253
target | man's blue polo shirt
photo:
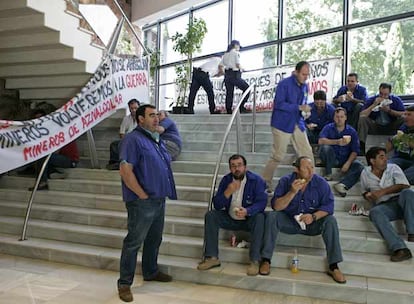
x: 317, y: 195
x: 342, y: 152
x: 289, y: 96
x: 397, y: 105
x: 360, y: 93
x: 151, y: 165
x: 171, y: 132
x: 323, y: 119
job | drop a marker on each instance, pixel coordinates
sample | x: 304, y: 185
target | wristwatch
x: 314, y: 217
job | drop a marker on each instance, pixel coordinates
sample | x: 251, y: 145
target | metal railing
x: 235, y: 115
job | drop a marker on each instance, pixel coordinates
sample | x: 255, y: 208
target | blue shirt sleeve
x: 257, y: 191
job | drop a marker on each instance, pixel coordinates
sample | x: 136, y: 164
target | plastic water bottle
x: 294, y: 266
x: 233, y: 240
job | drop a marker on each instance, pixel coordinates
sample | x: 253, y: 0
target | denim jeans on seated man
x: 145, y: 227
x: 406, y: 165
x: 216, y: 219
x: 280, y: 221
x: 396, y: 208
x: 329, y: 158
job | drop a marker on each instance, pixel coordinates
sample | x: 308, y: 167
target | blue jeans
x: 56, y: 161
x: 145, y: 226
x: 114, y: 151
x: 328, y: 157
x: 396, y: 208
x: 279, y: 221
x: 313, y: 136
x: 406, y: 165
x: 216, y: 219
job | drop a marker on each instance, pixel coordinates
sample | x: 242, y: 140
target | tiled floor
x: 29, y: 281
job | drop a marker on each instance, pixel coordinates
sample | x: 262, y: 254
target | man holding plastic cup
x: 339, y: 148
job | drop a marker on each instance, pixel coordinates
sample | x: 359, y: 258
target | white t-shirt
x: 237, y: 199
x: 128, y: 124
x: 392, y: 175
x: 230, y: 60
x: 211, y: 66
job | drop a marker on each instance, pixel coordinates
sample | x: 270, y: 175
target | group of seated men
x: 303, y: 203
x: 340, y: 130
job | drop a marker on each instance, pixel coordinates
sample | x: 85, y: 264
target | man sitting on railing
x: 128, y: 124
x: 239, y: 204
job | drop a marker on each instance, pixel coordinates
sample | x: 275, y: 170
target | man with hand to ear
x: 308, y: 195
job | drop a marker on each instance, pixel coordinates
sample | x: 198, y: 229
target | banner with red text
x: 115, y: 82
x: 321, y: 78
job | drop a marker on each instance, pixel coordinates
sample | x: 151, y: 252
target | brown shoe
x: 160, y: 277
x: 125, y: 294
x: 401, y: 255
x: 253, y: 268
x: 209, y: 263
x: 337, y: 276
x: 264, y: 268
x: 410, y: 238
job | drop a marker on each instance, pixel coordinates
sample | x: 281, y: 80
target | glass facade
x: 373, y: 38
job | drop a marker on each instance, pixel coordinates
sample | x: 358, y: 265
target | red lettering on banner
x: 318, y: 85
x: 73, y: 130
x: 136, y: 80
x: 44, y: 146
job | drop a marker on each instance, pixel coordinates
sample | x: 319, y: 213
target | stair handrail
x: 235, y: 114
x: 32, y: 196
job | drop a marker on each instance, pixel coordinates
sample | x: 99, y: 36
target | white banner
x: 115, y: 82
x: 321, y: 78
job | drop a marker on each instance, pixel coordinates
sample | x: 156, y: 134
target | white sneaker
x: 340, y: 189
x: 328, y: 177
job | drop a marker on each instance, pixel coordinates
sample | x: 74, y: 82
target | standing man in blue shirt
x: 320, y: 115
x: 147, y: 180
x: 351, y: 97
x: 339, y: 148
x: 381, y: 114
x: 308, y: 197
x: 287, y: 121
x: 239, y: 204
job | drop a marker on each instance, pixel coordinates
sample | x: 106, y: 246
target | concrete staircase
x: 44, y: 53
x: 82, y: 220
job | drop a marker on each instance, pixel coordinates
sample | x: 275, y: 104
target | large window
x: 384, y: 53
x: 363, y: 10
x: 253, y: 22
x: 377, y: 49
x: 217, y: 22
x: 311, y: 16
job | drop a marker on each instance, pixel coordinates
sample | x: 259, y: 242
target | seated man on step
x: 303, y: 203
x: 169, y: 134
x: 239, y: 204
x: 386, y: 187
x: 339, y: 148
x: 403, y: 145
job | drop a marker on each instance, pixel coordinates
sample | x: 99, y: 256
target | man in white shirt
x: 128, y: 124
x: 238, y: 205
x: 386, y: 187
x: 201, y: 78
x: 232, y: 77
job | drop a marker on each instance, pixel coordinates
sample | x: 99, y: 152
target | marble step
x: 179, y: 223
x: 305, y: 283
x: 181, y: 245
x: 189, y: 186
x: 114, y: 202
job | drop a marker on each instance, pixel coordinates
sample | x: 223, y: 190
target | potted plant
x: 186, y: 44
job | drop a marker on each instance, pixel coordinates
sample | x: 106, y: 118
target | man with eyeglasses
x: 238, y: 205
